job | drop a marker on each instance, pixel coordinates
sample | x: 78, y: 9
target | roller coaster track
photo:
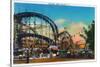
x: 50, y: 41
x: 18, y: 17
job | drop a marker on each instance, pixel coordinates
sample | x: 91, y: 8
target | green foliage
x: 91, y: 35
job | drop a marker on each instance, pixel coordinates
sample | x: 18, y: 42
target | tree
x: 91, y: 35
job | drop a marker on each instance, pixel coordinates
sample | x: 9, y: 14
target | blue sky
x: 60, y: 13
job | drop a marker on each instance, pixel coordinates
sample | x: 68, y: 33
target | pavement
x: 43, y: 60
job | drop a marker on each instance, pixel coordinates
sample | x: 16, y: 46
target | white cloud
x: 72, y: 27
x: 75, y: 28
x: 60, y: 21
